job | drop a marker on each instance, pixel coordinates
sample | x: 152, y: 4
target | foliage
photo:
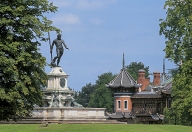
x: 22, y: 73
x: 104, y: 78
x: 177, y: 29
x: 170, y: 117
x: 134, y: 67
x: 84, y: 96
x: 102, y: 98
x: 182, y: 95
x: 173, y: 72
x: 93, y: 128
x: 97, y: 95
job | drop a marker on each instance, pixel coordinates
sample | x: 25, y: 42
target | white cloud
x: 96, y: 21
x: 69, y: 19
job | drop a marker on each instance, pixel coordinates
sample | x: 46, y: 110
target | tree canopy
x: 177, y: 29
x: 134, y: 67
x: 102, y: 97
x: 22, y: 75
x: 85, y: 94
x: 97, y: 95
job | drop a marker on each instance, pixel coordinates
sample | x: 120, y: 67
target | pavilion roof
x: 123, y: 79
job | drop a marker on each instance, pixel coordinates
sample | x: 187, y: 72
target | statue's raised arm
x: 58, y: 42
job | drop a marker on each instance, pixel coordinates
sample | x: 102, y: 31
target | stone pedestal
x: 57, y: 79
x: 57, y: 94
x: 69, y: 113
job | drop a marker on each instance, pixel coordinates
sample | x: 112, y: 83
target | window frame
x: 118, y: 104
x: 126, y: 108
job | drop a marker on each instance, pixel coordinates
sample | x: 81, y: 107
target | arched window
x: 126, y: 105
x: 119, y: 105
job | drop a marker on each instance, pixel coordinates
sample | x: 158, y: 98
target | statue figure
x: 59, y: 49
x: 55, y: 100
x: 75, y: 104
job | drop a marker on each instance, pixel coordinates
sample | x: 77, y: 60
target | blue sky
x: 98, y: 32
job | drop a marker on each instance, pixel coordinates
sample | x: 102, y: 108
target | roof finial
x: 164, y: 65
x: 123, y: 61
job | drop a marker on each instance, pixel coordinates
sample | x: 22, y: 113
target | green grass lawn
x: 93, y: 128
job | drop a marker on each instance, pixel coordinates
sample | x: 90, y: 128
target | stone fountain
x: 59, y: 103
x: 57, y: 94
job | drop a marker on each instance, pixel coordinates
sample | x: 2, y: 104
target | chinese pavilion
x: 140, y: 101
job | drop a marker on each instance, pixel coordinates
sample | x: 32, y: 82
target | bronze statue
x: 59, y: 49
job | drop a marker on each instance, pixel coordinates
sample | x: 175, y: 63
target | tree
x: 134, y: 67
x: 170, y: 117
x: 173, y: 72
x: 177, y: 29
x: 182, y: 93
x: 102, y: 97
x: 104, y: 78
x: 22, y: 74
x: 84, y: 96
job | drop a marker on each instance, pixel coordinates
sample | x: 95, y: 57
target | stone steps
x: 28, y: 121
x: 91, y: 122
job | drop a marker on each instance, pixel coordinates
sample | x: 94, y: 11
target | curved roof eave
x: 120, y: 86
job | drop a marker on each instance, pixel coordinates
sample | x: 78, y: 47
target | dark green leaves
x: 134, y: 67
x: 97, y: 95
x: 84, y: 96
x: 177, y: 29
x: 22, y: 74
x: 102, y: 97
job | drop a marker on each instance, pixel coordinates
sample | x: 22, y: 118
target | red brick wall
x: 122, y: 99
x: 147, y: 81
x: 142, y: 80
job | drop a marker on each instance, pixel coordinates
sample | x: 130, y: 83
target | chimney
x: 156, y: 78
x: 141, y: 79
x: 147, y: 81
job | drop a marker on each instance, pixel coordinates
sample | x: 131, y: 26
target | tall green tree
x: 173, y: 71
x: 102, y: 97
x: 84, y: 96
x: 104, y: 78
x: 177, y: 29
x: 134, y: 67
x: 22, y: 75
